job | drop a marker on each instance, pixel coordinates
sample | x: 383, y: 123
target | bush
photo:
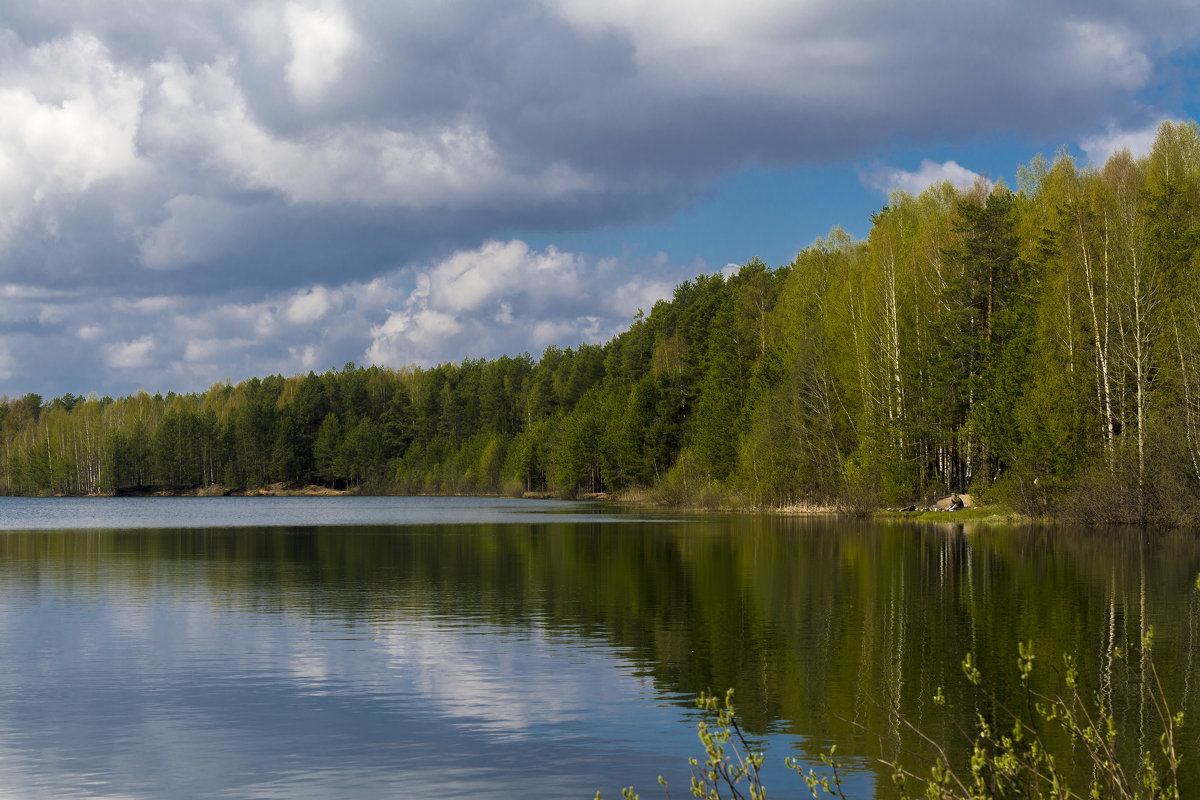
x: 687, y: 484
x: 1013, y: 751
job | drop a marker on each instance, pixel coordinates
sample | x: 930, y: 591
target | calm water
x: 415, y: 647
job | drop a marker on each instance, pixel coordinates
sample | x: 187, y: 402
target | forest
x: 1037, y: 347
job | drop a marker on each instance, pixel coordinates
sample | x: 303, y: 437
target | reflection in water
x: 538, y: 659
x: 61, y: 513
x: 141, y: 689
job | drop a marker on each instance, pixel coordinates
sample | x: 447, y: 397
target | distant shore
x: 217, y: 490
x: 986, y: 514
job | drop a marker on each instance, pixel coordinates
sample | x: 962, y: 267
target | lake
x: 461, y: 647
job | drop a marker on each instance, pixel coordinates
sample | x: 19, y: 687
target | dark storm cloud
x: 382, y: 117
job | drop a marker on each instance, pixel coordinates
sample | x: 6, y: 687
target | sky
x: 205, y: 190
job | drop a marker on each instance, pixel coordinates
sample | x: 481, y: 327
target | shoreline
x: 975, y: 514
x: 217, y: 490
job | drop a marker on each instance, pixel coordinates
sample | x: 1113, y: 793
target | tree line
x: 1038, y: 345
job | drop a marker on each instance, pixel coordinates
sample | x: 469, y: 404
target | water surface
x: 413, y: 647
x: 29, y: 513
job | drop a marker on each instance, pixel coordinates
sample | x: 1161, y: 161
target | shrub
x: 1013, y: 751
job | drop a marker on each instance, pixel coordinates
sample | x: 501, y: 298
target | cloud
x: 212, y: 134
x: 1138, y: 142
x: 194, y: 230
x: 320, y: 39
x: 310, y: 305
x: 897, y: 68
x: 1111, y: 48
x: 129, y: 355
x: 891, y: 179
x: 68, y: 121
x: 271, y: 167
x: 504, y: 297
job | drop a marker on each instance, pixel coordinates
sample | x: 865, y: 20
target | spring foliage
x: 1059, y: 744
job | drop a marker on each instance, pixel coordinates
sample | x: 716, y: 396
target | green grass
x: 987, y: 515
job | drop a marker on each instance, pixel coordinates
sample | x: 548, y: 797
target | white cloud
x: 467, y: 279
x: 307, y: 358
x: 1138, y: 142
x: 68, y: 121
x: 504, y: 297
x: 504, y: 315
x: 130, y: 355
x: 309, y: 306
x: 17, y: 291
x: 892, y: 179
x: 321, y: 39
x: 451, y: 164
x: 641, y: 292
x: 20, y: 302
x: 157, y: 304
x: 1100, y: 50
x: 203, y: 349
x: 53, y: 314
x: 499, y: 298
x: 213, y: 351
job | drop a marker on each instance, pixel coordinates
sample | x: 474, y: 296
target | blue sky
x: 774, y: 213
x: 224, y: 189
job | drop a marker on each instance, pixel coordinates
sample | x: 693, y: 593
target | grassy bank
x: 986, y: 515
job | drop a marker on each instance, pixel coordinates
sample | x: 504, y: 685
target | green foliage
x: 1041, y: 347
x: 328, y: 464
x: 1012, y: 752
x: 730, y: 767
x: 687, y: 484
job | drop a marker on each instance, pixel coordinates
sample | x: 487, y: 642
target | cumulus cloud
x: 128, y: 355
x: 202, y: 134
x: 1138, y: 142
x: 68, y: 121
x: 206, y: 111
x: 310, y: 305
x: 320, y: 39
x: 500, y: 298
x: 505, y: 297
x: 891, y: 179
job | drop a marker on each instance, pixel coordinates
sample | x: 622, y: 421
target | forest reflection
x: 818, y: 624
